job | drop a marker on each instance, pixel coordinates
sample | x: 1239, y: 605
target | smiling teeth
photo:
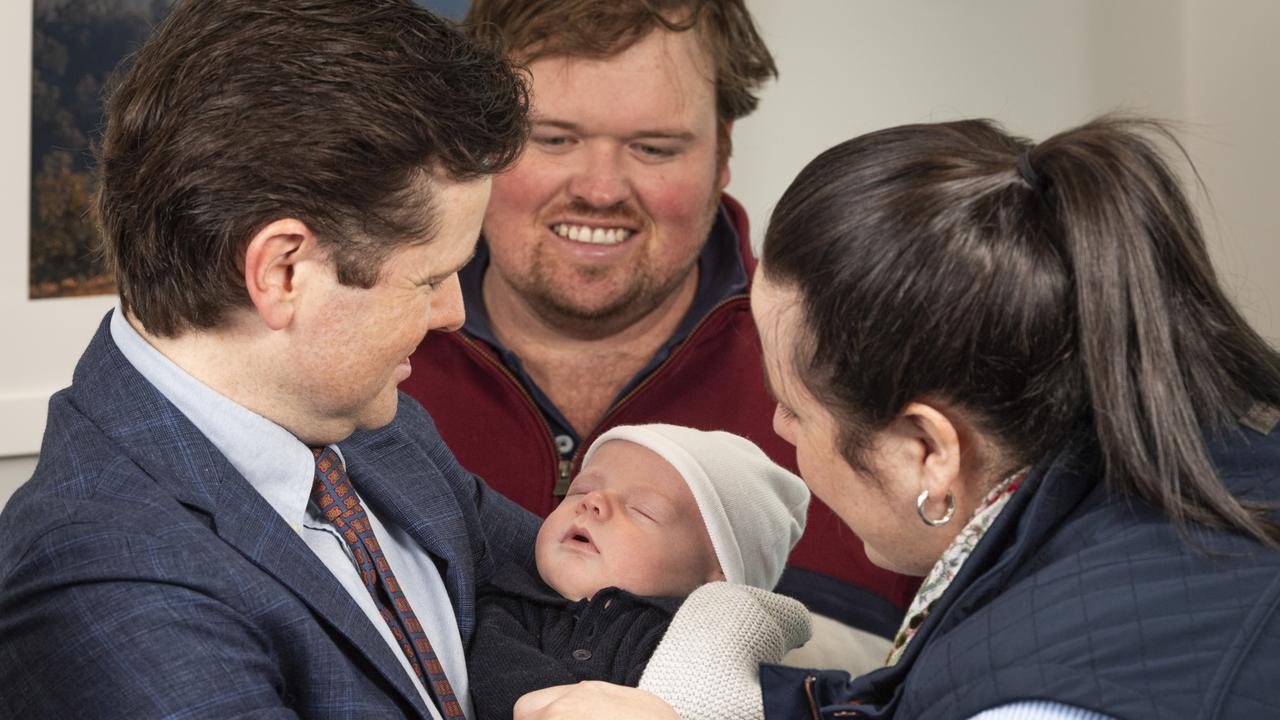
x: 595, y: 236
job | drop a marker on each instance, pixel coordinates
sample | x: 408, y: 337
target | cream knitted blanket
x: 707, y: 665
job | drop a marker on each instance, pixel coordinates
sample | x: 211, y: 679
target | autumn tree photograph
x: 76, y: 44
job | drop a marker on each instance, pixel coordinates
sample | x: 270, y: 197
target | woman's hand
x: 589, y: 700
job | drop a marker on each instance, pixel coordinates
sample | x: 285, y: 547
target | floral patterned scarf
x: 944, y: 571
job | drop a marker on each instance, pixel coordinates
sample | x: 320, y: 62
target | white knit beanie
x: 754, y: 509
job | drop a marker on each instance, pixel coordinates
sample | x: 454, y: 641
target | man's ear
x: 937, y: 458
x: 271, y: 262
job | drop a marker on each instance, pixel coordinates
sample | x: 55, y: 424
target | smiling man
x: 611, y: 285
x: 235, y: 513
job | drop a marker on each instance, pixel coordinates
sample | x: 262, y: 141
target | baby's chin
x: 576, y: 589
x: 573, y: 586
x: 568, y: 582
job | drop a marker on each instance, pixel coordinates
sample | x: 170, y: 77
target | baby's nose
x: 596, y: 503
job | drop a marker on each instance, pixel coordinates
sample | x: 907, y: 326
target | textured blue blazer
x: 141, y: 576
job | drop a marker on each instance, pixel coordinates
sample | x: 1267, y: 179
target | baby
x: 657, y: 512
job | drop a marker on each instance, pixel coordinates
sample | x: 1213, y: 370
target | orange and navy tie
x: 337, y: 501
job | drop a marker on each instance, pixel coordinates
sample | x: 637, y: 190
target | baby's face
x: 630, y: 521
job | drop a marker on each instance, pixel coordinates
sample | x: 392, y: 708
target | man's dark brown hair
x: 237, y: 113
x: 530, y: 29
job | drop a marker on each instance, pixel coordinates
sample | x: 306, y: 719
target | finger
x: 531, y: 704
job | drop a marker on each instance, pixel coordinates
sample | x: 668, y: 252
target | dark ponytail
x: 1166, y: 356
x: 1047, y: 291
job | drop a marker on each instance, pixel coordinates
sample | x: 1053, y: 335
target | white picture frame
x: 43, y: 338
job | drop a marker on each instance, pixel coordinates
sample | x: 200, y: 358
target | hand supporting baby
x: 711, y: 651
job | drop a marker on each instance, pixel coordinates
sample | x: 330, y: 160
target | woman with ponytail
x: 1010, y: 369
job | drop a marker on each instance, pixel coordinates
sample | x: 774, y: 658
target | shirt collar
x: 277, y: 464
x: 953, y: 558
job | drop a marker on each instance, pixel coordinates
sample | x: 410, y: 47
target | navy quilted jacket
x: 1081, y: 597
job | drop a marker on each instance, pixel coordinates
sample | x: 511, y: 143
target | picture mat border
x: 46, y: 336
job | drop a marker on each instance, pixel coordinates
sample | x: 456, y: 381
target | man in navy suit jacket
x: 286, y: 192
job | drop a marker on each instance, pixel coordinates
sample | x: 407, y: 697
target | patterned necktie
x: 333, y: 494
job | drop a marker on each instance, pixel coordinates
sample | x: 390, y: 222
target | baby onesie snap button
x: 581, y: 654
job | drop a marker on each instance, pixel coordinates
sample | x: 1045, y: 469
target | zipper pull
x: 562, y: 483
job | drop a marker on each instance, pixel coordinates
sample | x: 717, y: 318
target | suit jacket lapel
x: 245, y: 521
x: 173, y: 452
x: 406, y: 490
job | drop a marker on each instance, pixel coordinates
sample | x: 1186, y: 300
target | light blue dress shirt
x: 282, y: 469
x: 1039, y: 710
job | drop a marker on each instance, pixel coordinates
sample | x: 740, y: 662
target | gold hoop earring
x: 946, y: 517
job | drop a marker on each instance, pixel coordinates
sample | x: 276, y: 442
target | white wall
x: 13, y: 472
x: 1037, y: 66
x: 45, y: 337
x: 848, y: 66
x: 1233, y: 102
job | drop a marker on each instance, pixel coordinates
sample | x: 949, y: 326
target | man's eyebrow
x: 652, y: 133
x: 443, y: 275
x: 561, y: 124
x: 664, y: 135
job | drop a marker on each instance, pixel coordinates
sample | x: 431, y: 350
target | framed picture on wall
x: 76, y: 44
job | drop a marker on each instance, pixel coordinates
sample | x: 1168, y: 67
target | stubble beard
x: 572, y: 317
x: 644, y: 293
